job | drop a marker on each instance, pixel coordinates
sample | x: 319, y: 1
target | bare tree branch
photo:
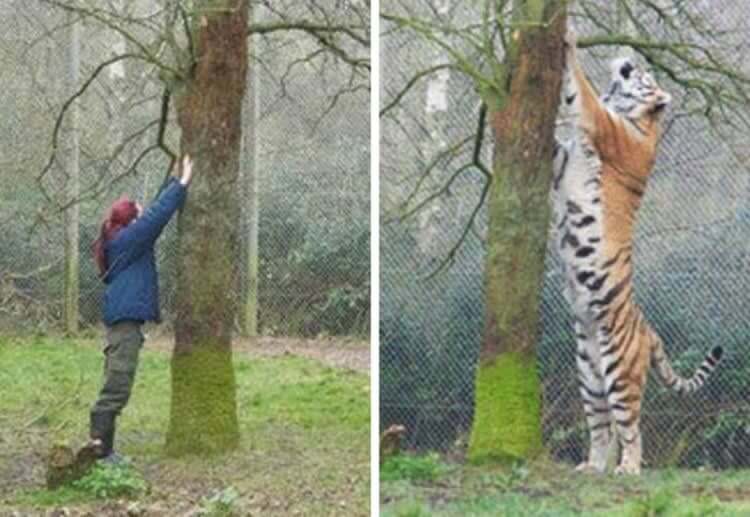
x: 66, y: 106
x: 412, y: 82
x: 114, y: 22
x: 476, y: 161
x: 344, y: 40
x: 689, y: 50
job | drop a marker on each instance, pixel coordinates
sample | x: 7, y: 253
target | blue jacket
x: 132, y: 291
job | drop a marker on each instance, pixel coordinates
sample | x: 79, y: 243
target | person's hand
x: 187, y: 170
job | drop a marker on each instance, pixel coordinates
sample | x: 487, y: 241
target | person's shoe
x: 94, y: 447
x: 103, y: 431
x: 115, y: 459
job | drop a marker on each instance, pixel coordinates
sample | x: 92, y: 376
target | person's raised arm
x: 187, y: 171
x: 147, y: 228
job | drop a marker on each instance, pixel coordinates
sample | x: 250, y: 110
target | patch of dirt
x: 22, y: 460
x: 290, y: 482
x: 337, y: 352
x: 727, y: 495
x: 345, y: 353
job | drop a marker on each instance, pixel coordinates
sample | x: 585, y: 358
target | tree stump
x: 64, y: 466
x: 390, y: 442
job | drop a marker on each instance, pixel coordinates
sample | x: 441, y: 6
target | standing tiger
x: 599, y: 179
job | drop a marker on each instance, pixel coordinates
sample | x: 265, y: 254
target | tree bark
x: 507, y: 419
x: 203, y: 415
x: 71, y: 167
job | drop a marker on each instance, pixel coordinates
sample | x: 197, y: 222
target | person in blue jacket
x: 124, y: 254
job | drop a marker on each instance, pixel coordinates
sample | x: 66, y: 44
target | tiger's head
x: 634, y: 94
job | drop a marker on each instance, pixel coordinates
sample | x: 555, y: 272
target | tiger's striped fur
x: 600, y: 177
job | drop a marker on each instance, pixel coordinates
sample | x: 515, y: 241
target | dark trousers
x: 124, y: 341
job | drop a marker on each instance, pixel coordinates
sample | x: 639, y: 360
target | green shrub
x: 106, y: 481
x: 413, y: 468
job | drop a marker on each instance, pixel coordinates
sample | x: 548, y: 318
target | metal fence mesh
x: 691, y: 256
x: 307, y: 139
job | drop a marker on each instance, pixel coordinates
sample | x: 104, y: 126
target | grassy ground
x: 426, y: 486
x: 304, y: 451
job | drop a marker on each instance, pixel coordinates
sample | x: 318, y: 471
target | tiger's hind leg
x: 591, y: 386
x: 629, y: 437
x: 626, y: 412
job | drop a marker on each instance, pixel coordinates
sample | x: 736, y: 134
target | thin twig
x: 476, y: 161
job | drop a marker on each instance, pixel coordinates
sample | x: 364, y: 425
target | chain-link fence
x: 306, y: 142
x: 691, y: 254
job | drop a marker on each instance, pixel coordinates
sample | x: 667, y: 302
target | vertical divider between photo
x: 375, y: 258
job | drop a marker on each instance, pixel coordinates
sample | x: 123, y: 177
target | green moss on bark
x: 507, y: 421
x: 203, y: 416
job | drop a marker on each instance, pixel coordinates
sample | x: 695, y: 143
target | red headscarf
x: 120, y: 214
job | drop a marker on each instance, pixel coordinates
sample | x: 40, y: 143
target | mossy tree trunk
x: 507, y: 419
x: 203, y: 415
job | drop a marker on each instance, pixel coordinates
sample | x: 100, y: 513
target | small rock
x: 135, y: 510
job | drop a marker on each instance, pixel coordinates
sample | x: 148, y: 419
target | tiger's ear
x: 621, y: 68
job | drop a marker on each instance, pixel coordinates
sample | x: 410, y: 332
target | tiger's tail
x: 679, y: 384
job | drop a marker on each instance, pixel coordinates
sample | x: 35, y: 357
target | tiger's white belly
x: 578, y: 222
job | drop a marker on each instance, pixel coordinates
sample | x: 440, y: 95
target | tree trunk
x: 507, y: 418
x: 71, y: 167
x: 203, y: 415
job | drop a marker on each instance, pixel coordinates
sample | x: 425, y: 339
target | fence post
x: 249, y: 173
x: 71, y: 167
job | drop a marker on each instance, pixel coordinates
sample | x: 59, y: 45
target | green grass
x: 547, y: 489
x: 305, y: 431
